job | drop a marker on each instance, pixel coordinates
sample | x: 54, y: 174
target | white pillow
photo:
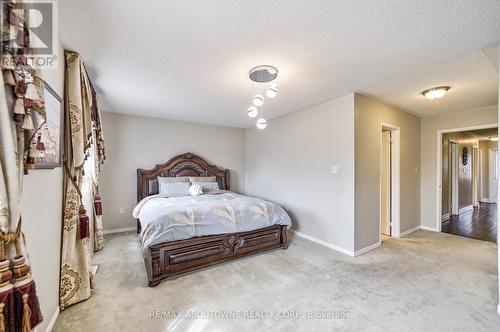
x: 208, y: 186
x: 195, y: 190
x: 174, y: 189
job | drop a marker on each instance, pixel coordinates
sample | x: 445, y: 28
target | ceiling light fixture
x: 494, y: 139
x: 263, y: 74
x: 258, y: 100
x: 435, y: 93
x: 253, y: 111
x: 272, y: 90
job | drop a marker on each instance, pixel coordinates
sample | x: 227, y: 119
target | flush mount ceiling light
x: 435, y: 93
x: 258, y: 100
x: 494, y: 139
x: 263, y: 74
x: 253, y: 111
x: 272, y: 90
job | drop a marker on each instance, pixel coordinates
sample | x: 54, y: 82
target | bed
x: 236, y: 225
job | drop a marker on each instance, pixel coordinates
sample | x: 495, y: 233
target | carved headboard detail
x: 186, y: 164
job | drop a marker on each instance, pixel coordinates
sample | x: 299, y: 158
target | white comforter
x: 166, y: 219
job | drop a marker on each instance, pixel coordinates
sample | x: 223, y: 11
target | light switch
x: 335, y: 170
x: 122, y: 210
x: 416, y: 169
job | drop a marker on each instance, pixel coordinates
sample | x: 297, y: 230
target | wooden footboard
x: 172, y: 258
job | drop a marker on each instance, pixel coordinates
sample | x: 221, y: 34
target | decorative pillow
x: 202, y: 179
x: 208, y: 186
x: 195, y: 190
x: 174, y: 189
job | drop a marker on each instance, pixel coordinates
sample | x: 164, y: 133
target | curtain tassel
x: 19, y: 108
x: 6, y: 297
x: 98, y: 205
x: 29, y: 163
x: 28, y: 122
x: 38, y: 149
x: 84, y: 223
x: 31, y: 92
x: 26, y: 306
x: 19, y: 111
x: 26, y: 314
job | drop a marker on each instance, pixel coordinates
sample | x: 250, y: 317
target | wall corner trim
x: 53, y: 320
x: 323, y: 243
x: 428, y: 228
x: 119, y: 230
x: 366, y: 249
x: 408, y: 232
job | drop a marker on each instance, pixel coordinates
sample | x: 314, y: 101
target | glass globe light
x: 272, y: 90
x: 261, y: 123
x: 253, y: 111
x: 258, y: 100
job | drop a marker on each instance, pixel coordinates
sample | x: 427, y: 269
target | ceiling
x: 483, y: 134
x: 189, y: 60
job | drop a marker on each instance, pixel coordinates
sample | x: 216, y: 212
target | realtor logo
x: 40, y: 18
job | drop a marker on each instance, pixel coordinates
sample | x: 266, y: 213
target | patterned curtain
x: 22, y: 124
x: 84, y: 153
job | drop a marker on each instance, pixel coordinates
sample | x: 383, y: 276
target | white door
x: 385, y: 184
x: 454, y: 177
x: 493, y: 178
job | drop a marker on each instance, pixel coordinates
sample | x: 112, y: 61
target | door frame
x: 491, y: 192
x: 439, y: 172
x: 395, y: 181
x: 454, y: 169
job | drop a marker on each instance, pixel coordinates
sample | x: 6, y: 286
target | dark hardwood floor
x: 479, y: 224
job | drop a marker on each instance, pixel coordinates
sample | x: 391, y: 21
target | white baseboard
x: 53, y: 320
x: 323, y: 243
x: 408, y: 232
x: 445, y: 217
x: 466, y: 209
x: 366, y: 249
x: 485, y: 200
x: 119, y: 230
x: 428, y: 228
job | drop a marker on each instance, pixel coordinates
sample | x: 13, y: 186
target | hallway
x: 480, y: 224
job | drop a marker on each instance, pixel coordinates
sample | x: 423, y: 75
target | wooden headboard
x: 186, y: 164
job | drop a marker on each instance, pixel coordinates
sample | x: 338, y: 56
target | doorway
x: 390, y: 190
x: 468, y: 182
x: 385, y: 183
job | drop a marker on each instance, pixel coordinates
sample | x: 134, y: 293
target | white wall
x: 290, y: 163
x: 134, y: 142
x: 428, y: 153
x: 42, y: 218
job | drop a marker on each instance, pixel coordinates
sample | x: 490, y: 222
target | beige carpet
x: 425, y: 282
